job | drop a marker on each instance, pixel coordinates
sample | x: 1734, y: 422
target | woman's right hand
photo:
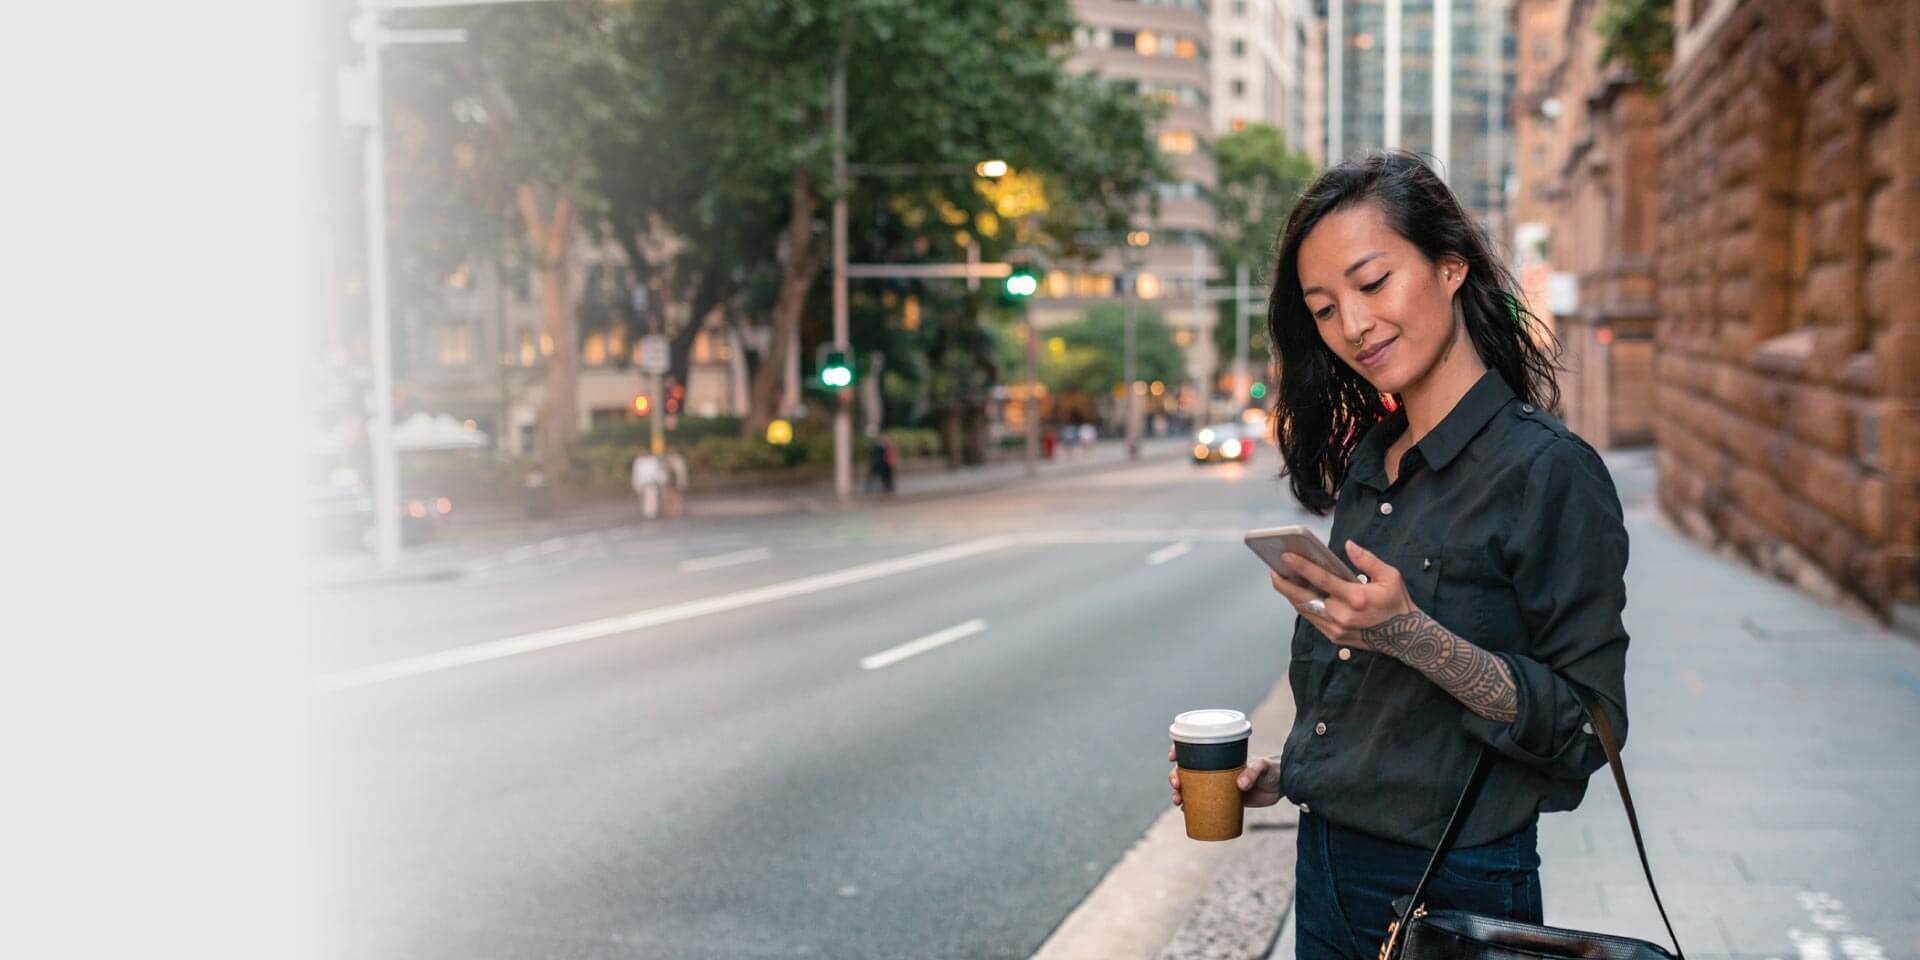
x: 1259, y: 783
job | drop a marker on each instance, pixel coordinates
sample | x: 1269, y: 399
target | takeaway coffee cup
x: 1210, y: 748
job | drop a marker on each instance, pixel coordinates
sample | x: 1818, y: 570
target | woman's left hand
x: 1350, y: 607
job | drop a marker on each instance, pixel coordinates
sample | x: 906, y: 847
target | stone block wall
x: 1787, y: 350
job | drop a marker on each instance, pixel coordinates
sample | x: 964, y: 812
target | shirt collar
x: 1441, y: 444
x: 1465, y: 421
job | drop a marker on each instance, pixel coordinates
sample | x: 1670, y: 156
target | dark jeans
x: 1346, y: 881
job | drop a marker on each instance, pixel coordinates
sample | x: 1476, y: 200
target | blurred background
x: 670, y: 478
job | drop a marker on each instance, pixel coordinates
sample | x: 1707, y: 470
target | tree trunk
x: 796, y: 277
x: 551, y: 239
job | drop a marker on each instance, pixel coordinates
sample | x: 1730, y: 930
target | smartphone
x: 1269, y: 544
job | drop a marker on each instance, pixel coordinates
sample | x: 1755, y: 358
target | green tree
x: 745, y: 93
x: 1084, y: 360
x: 1640, y: 34
x: 1260, y: 179
x: 531, y: 91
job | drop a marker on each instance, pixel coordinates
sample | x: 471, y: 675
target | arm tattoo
x: 1476, y: 678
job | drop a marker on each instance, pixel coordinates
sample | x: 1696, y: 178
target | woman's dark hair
x: 1323, y: 407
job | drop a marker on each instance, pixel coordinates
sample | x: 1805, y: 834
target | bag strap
x: 1601, y: 728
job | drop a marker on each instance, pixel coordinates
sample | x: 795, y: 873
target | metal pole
x: 657, y: 427
x: 1240, y: 335
x: 385, y: 462
x: 1336, y: 78
x: 1203, y: 320
x: 842, y: 415
x: 1033, y: 391
x: 1133, y: 398
x: 1392, y: 132
x: 1443, y: 86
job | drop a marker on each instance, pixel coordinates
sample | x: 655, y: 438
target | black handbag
x: 1459, y: 935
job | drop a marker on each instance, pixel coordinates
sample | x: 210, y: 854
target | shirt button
x: 1426, y: 563
x: 1386, y: 509
x: 1305, y: 809
x: 1320, y: 729
x: 1346, y: 654
x: 1586, y: 728
x: 1527, y: 407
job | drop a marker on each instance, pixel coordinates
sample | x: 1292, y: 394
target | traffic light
x: 1022, y: 283
x: 1258, y: 390
x: 642, y: 404
x: 835, y: 372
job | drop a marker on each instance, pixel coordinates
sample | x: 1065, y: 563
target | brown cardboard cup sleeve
x: 1210, y: 748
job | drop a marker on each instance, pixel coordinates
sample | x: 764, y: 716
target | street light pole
x: 1033, y: 390
x: 842, y: 415
x: 1239, y: 334
x: 1133, y: 396
x: 385, y: 462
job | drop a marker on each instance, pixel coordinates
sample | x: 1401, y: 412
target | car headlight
x: 1230, y: 449
x: 1206, y: 436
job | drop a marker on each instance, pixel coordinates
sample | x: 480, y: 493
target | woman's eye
x: 1323, y: 313
x: 1377, y: 284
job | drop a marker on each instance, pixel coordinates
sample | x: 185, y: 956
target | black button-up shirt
x: 1507, y: 530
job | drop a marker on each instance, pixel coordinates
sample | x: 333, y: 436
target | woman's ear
x: 1453, y: 273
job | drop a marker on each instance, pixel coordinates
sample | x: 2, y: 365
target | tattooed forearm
x: 1476, y: 678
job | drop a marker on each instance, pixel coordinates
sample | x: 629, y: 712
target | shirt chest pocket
x: 1458, y: 587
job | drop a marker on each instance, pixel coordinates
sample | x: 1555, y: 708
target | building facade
x: 1788, y: 363
x: 1431, y: 76
x: 1585, y: 215
x: 1261, y: 66
x: 1162, y: 49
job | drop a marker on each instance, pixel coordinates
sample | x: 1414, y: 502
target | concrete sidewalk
x: 1772, y: 759
x: 445, y: 557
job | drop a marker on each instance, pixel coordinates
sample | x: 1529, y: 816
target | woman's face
x: 1379, y: 304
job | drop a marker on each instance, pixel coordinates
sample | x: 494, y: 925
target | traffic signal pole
x: 1033, y: 390
x: 842, y: 412
x: 1240, y: 336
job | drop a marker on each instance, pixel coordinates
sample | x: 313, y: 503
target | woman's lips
x: 1377, y: 355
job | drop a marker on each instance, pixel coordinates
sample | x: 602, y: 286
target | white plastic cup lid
x: 1210, y: 726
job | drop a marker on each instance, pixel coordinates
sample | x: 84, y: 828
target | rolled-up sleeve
x: 1567, y: 552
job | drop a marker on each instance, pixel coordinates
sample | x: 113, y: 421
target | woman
x: 1414, y: 390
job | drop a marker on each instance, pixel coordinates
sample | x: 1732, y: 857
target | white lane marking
x: 725, y: 560
x: 554, y: 545
x: 642, y: 619
x: 914, y: 648
x: 1164, y: 554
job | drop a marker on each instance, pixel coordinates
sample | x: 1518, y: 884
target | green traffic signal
x: 1258, y: 390
x: 1022, y: 284
x: 835, y: 372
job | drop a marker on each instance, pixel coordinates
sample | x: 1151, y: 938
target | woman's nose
x: 1354, y: 324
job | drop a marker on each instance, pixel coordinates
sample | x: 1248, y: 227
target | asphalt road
x: 703, y: 767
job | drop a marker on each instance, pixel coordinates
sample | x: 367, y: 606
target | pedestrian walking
x: 879, y: 464
x: 1415, y: 390
x: 649, y: 479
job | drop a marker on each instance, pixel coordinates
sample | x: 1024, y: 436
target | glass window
x: 1186, y: 49
x: 455, y: 346
x: 1239, y: 87
x: 1238, y: 47
x: 1239, y: 124
x: 1146, y: 43
x: 593, y: 352
x: 1177, y: 141
x: 1123, y: 39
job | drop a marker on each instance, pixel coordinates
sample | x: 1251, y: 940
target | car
x: 1222, y: 442
x: 339, y: 513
